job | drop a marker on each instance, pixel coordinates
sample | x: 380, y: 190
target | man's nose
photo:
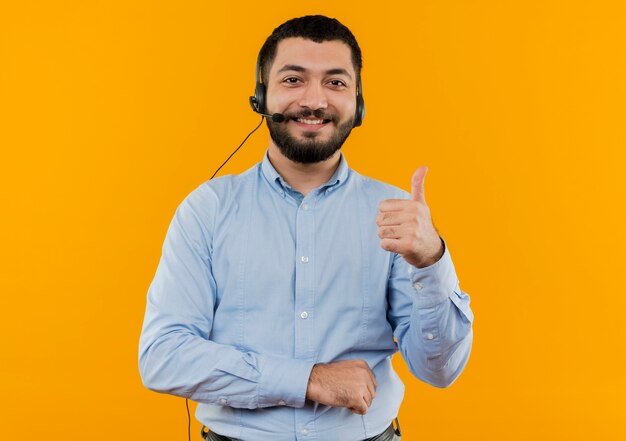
x: 313, y: 97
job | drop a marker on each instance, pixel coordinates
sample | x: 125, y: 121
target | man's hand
x: 405, y: 226
x: 346, y: 383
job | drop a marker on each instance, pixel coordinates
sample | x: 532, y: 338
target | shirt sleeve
x: 431, y: 319
x: 176, y: 354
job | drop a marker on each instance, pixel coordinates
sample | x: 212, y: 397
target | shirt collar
x: 279, y: 184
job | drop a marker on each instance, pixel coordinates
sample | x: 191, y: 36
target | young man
x: 280, y: 291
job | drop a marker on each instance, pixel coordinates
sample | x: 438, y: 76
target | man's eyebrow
x: 296, y: 68
x: 338, y: 71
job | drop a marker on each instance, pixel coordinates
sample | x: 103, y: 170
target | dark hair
x: 317, y: 28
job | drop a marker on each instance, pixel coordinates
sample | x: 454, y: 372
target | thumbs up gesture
x: 405, y: 226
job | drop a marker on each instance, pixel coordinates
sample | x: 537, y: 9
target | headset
x: 257, y: 101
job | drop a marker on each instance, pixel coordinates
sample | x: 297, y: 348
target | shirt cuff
x: 284, y: 382
x: 433, y: 284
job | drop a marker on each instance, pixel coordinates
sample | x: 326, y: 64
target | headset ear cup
x: 253, y: 103
x: 259, y: 95
x: 360, y: 111
x: 359, y: 114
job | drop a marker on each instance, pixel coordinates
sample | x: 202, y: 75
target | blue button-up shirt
x: 257, y: 283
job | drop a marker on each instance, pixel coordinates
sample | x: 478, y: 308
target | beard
x: 310, y: 150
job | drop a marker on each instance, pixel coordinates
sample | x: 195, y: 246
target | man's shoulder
x: 214, y: 194
x: 204, y: 206
x: 219, y: 188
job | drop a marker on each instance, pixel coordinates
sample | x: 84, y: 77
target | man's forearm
x: 436, y: 340
x: 187, y: 365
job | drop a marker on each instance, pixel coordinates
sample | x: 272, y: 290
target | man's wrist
x: 434, y: 258
x: 311, y: 388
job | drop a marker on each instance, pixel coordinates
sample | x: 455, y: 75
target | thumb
x: 417, y: 184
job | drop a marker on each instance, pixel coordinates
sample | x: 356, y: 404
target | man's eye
x: 337, y: 83
x: 291, y: 80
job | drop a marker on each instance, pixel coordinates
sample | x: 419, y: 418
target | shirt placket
x: 305, y: 299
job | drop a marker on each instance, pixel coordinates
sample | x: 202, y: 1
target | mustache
x: 317, y: 113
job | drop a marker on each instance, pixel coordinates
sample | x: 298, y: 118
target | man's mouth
x: 312, y: 121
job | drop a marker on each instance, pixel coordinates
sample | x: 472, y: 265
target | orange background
x: 112, y: 111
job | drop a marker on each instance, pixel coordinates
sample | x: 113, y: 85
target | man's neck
x: 303, y: 177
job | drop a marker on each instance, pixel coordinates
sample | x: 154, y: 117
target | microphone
x: 275, y: 117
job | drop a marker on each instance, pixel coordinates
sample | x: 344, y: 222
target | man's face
x: 314, y: 86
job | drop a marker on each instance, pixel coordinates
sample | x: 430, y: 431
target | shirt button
x: 417, y: 286
x: 304, y: 314
x: 305, y: 207
x: 430, y: 336
x: 223, y: 401
x: 304, y: 259
x: 304, y: 431
x: 281, y: 403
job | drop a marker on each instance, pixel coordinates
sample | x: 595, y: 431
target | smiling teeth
x: 311, y: 121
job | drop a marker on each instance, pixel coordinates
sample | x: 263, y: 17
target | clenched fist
x: 345, y: 383
x: 405, y: 226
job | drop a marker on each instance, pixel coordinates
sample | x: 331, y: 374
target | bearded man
x: 283, y: 292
